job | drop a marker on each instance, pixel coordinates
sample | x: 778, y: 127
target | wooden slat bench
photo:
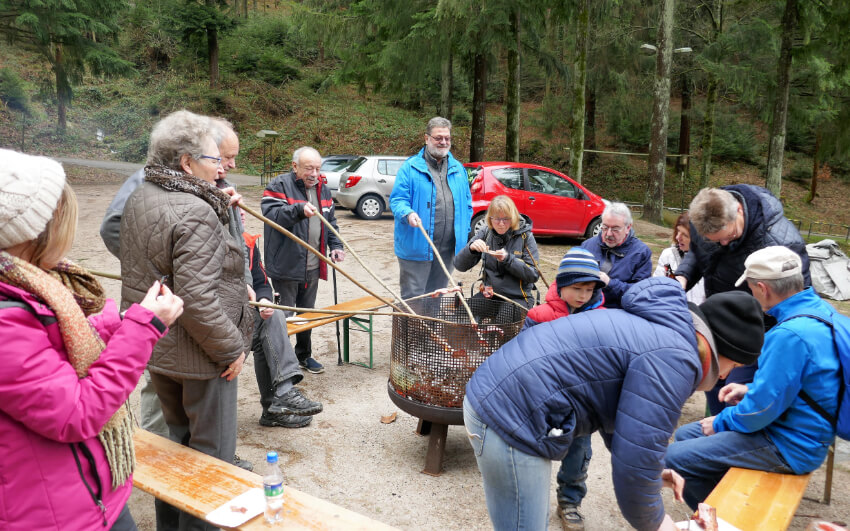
x: 362, y: 323
x: 197, y: 483
x: 753, y: 500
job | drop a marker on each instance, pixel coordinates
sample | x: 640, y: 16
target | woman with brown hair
x: 508, y: 250
x: 68, y: 365
x: 672, y: 256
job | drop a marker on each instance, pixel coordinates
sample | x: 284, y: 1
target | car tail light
x: 352, y: 181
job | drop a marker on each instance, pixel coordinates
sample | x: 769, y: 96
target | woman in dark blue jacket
x: 625, y: 373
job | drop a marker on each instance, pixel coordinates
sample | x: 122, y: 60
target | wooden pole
x: 349, y: 312
x: 357, y: 257
x: 446, y: 271
x: 309, y: 248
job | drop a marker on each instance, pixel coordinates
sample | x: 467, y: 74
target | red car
x: 556, y: 204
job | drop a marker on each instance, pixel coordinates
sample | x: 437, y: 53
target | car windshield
x: 335, y: 165
x: 355, y: 164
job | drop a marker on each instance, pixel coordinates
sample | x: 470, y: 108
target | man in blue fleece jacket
x: 770, y: 427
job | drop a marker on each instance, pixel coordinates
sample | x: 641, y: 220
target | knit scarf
x: 72, y: 294
x: 179, y: 181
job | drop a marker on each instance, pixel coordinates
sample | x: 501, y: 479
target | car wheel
x: 370, y: 207
x: 593, y: 228
x: 476, y: 225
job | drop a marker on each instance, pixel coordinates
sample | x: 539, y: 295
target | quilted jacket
x: 765, y: 225
x: 631, y: 261
x: 624, y: 373
x: 45, y: 406
x: 178, y: 234
x: 514, y: 277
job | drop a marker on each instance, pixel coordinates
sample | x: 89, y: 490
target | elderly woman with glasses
x: 175, y: 228
x: 508, y: 251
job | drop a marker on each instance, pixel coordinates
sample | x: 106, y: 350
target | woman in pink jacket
x: 67, y: 366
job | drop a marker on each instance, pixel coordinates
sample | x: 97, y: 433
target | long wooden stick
x: 349, y: 312
x: 113, y: 276
x: 446, y: 271
x: 357, y: 257
x: 537, y: 267
x: 309, y: 248
x: 510, y: 300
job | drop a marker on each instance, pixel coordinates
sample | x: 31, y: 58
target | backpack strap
x: 11, y: 303
x: 803, y: 394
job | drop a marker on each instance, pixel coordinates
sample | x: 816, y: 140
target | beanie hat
x: 736, y: 321
x: 30, y: 187
x: 578, y: 265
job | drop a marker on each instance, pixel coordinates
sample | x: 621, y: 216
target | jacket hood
x: 661, y: 300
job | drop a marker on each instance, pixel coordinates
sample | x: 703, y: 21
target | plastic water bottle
x: 273, y: 489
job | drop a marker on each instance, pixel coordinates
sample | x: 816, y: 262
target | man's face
x: 614, y: 230
x: 308, y: 168
x: 439, y: 142
x: 731, y: 232
x: 229, y: 148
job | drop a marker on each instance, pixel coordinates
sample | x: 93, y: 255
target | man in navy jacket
x: 624, y: 373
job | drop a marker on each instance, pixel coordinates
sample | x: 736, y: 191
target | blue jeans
x: 516, y: 485
x: 573, y: 472
x: 702, y: 461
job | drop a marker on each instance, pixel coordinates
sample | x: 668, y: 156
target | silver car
x: 366, y: 184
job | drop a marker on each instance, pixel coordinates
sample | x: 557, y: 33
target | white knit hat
x: 30, y: 187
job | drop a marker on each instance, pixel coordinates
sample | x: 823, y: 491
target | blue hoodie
x: 625, y: 373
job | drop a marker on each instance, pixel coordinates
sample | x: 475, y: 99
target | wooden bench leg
x: 436, y: 448
x: 827, y: 487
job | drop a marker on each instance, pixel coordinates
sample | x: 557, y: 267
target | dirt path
x: 347, y: 456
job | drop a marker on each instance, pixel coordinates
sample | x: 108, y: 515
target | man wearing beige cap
x: 770, y: 424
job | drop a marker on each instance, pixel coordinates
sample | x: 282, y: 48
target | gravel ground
x: 347, y: 456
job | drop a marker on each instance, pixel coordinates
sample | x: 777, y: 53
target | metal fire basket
x: 432, y: 362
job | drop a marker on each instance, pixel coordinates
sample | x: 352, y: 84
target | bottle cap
x: 271, y: 457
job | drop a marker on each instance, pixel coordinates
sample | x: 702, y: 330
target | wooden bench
x: 197, y: 484
x: 363, y: 324
x: 753, y: 500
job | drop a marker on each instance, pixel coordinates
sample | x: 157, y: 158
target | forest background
x: 750, y: 91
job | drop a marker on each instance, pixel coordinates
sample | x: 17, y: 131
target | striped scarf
x: 72, y: 294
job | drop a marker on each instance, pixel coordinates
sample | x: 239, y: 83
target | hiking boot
x: 272, y: 420
x: 293, y: 402
x: 570, y: 517
x: 311, y: 365
x: 243, y: 463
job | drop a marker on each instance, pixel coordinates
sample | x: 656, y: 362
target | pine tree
x: 72, y: 37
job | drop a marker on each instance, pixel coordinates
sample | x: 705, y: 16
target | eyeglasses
x: 216, y: 159
x: 614, y: 230
x: 310, y: 169
x: 500, y: 220
x: 441, y: 139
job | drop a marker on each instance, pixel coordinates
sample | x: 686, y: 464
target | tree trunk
x: 212, y: 52
x: 512, y: 106
x: 579, y: 82
x: 446, y: 85
x: 684, y: 124
x: 707, y: 142
x: 589, y: 124
x: 654, y: 204
x: 62, y: 91
x: 479, y: 108
x: 780, y: 106
x: 815, y: 168
x: 245, y: 8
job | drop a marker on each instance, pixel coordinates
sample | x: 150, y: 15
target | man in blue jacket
x: 432, y: 190
x: 624, y: 373
x: 770, y: 427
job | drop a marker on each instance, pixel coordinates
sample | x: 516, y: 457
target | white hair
x: 618, y: 209
x: 296, y: 156
x: 437, y: 121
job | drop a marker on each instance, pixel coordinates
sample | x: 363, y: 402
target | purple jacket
x: 44, y: 407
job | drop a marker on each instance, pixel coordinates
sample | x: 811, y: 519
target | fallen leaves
x: 387, y: 419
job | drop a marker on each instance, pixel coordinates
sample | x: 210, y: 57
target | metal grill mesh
x: 431, y: 362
